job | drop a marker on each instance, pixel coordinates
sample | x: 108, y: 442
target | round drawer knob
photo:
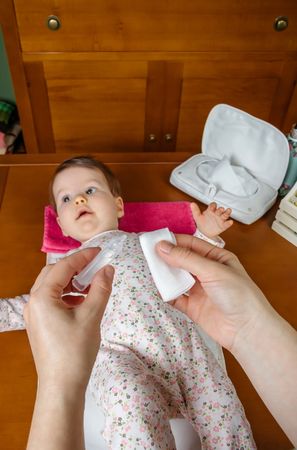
x: 152, y: 138
x: 281, y: 23
x: 168, y: 137
x: 53, y: 23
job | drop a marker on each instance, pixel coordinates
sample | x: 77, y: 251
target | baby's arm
x: 11, y: 313
x: 211, y: 222
x: 11, y: 309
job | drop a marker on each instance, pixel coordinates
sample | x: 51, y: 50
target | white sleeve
x: 11, y: 313
x: 11, y: 309
x: 217, y: 241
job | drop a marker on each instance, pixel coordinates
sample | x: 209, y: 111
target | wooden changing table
x: 269, y: 259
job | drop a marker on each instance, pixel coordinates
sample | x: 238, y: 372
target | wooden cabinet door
x: 84, y: 106
x: 260, y: 87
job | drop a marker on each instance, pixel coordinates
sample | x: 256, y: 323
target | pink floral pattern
x: 153, y: 365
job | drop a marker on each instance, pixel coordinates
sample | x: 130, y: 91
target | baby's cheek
x: 65, y: 223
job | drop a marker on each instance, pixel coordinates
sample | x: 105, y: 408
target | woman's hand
x: 232, y: 310
x: 65, y: 341
x: 224, y: 301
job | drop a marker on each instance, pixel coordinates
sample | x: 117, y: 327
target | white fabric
x: 184, y: 434
x: 171, y: 282
x: 11, y: 313
x: 218, y: 242
x: 228, y: 177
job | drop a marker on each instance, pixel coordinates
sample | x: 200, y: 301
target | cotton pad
x: 171, y: 282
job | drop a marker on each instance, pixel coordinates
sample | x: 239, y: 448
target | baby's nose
x: 80, y: 200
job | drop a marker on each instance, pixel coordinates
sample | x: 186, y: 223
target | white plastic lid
x: 248, y: 142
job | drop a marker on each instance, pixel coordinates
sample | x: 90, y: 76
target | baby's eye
x: 65, y: 199
x: 91, y: 190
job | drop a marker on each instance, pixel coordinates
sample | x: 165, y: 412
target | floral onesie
x: 153, y: 365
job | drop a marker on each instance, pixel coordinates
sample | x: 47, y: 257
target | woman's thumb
x: 185, y: 258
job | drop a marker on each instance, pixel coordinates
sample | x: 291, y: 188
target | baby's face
x: 85, y: 204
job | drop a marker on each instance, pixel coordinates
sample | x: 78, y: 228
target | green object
x: 6, y: 110
x: 8, y: 115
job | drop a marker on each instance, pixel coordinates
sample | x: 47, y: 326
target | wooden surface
x: 117, y: 72
x: 269, y: 259
x: 135, y: 25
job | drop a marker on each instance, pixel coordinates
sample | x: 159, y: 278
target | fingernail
x: 108, y: 271
x: 166, y: 246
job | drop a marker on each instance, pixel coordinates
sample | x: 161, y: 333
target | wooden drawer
x: 134, y: 25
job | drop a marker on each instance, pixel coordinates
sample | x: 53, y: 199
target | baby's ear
x: 120, y: 206
x: 59, y: 223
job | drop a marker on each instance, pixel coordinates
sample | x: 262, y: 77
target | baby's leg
x: 137, y: 411
x: 212, y: 406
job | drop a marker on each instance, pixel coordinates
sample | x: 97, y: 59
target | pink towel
x: 140, y: 216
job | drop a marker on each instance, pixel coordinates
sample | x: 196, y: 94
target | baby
x: 153, y: 364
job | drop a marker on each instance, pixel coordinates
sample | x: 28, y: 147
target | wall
x: 6, y: 87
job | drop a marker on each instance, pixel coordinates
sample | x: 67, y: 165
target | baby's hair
x: 90, y: 163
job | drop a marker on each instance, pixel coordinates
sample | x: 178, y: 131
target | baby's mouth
x: 83, y: 213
